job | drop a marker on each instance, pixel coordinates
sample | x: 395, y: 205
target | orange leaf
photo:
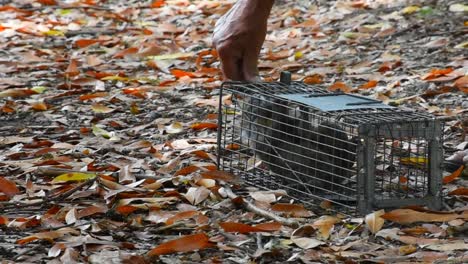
x: 238, y: 228
x: 92, y: 96
x: 200, y: 126
x: 313, y: 79
x: 82, y: 43
x: 47, y: 2
x: 459, y: 191
x: 339, y: 86
x: 181, y: 216
x: 180, y: 73
x: 3, y: 28
x: 137, y: 92
x: 454, y: 175
x: 434, y: 73
x: 3, y: 220
x: 233, y: 146
x: 296, y: 210
x: 8, y: 187
x: 126, y: 209
x: 125, y: 52
x: 183, y: 244
x: 157, y: 3
x: 211, y: 52
x: 72, y: 69
x: 389, y: 65
x: 186, y: 170
x: 39, y: 106
x: 219, y: 175
x: 369, y: 84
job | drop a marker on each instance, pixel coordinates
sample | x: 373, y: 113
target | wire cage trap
x: 355, y: 152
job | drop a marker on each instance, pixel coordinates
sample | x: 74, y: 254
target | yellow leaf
x: 414, y: 161
x: 410, y: 10
x: 173, y: 56
x: 99, y: 108
x: 39, y: 89
x: 75, y: 176
x: 115, y: 78
x: 54, y: 33
x: 463, y: 45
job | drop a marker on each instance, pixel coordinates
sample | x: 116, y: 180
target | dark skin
x: 238, y: 38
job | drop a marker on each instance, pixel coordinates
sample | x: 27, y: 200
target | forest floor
x: 108, y: 113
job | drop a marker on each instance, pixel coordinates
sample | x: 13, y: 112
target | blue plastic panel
x: 335, y: 102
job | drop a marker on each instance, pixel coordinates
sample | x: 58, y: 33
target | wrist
x: 260, y: 8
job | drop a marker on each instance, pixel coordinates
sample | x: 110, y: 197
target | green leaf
x: 54, y: 33
x: 74, y: 176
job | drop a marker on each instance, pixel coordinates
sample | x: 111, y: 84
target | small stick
x: 250, y: 207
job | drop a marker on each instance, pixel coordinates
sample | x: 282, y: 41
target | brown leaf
x: 436, y: 73
x: 182, y: 216
x: 339, y: 86
x: 241, y: 228
x: 408, y: 216
x: 459, y: 191
x: 295, y: 210
x: 8, y: 187
x: 462, y: 84
x: 183, y: 244
x: 72, y: 69
x: 186, y: 170
x: 454, y: 175
x: 49, y: 236
x: 200, y: 126
x: 325, y: 225
x: 219, y: 175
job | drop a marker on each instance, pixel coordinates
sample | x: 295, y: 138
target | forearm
x: 260, y: 8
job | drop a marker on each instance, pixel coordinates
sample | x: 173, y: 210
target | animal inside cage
x: 355, y: 152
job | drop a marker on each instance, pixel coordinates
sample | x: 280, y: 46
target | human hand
x: 238, y: 37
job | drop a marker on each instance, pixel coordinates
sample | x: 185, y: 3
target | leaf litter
x: 108, y: 113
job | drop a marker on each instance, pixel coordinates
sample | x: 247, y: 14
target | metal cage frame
x: 385, y: 122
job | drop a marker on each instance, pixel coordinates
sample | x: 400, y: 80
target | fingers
x: 231, y: 64
x: 250, y: 66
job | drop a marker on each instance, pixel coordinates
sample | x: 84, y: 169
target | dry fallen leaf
x: 374, y: 221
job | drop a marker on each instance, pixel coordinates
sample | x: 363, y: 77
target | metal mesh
x: 357, y: 159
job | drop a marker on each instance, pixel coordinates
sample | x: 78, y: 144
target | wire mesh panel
x: 317, y: 145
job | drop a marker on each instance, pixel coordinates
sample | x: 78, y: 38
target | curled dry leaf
x: 196, y: 195
x: 303, y: 237
x: 456, y: 174
x: 374, y: 221
x: 183, y: 244
x: 325, y: 225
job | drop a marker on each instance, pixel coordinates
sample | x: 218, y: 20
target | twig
x: 250, y: 207
x: 27, y: 251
